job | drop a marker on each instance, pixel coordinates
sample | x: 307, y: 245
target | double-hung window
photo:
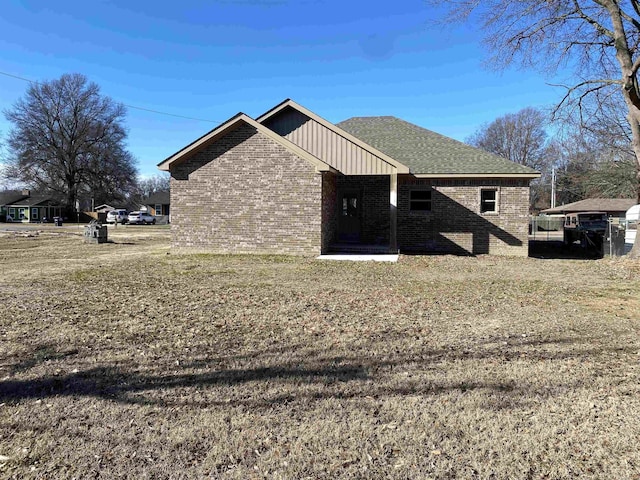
x: 489, y: 200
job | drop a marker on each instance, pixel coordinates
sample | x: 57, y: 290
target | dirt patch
x: 122, y: 360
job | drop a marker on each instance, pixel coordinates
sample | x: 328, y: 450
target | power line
x: 125, y: 104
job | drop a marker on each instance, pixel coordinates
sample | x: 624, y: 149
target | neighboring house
x: 27, y: 207
x: 614, y: 207
x: 292, y: 182
x: 7, y: 197
x: 104, y: 208
x: 158, y: 204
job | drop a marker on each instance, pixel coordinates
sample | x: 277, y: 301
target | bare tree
x: 519, y: 137
x: 156, y: 183
x: 113, y: 178
x: 576, y: 158
x: 66, y: 136
x: 594, y: 153
x: 598, y: 40
x: 612, y: 179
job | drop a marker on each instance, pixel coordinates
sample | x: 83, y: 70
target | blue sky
x: 211, y: 59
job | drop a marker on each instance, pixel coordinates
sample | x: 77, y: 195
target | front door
x: 349, y: 216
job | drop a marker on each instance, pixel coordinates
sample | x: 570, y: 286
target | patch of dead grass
x: 120, y: 361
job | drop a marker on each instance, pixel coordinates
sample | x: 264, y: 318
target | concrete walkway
x: 358, y: 257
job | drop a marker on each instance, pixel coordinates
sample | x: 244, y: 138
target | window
x: 349, y: 206
x: 34, y: 214
x: 489, y: 200
x: 21, y: 212
x: 158, y: 209
x: 420, y: 200
x: 12, y: 212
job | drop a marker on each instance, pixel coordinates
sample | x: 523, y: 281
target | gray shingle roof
x: 158, y: 197
x: 34, y: 201
x: 427, y: 152
x: 595, y: 205
x: 8, y: 197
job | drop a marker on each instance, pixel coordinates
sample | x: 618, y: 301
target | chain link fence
x: 549, y: 230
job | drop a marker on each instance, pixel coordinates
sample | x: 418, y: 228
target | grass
x: 123, y: 361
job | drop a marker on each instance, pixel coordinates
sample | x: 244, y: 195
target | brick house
x: 292, y: 182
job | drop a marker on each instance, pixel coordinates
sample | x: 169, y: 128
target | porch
x: 359, y: 214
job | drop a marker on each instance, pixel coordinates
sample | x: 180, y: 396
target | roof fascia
x: 477, y: 175
x: 199, y: 142
x: 401, y: 168
x: 231, y: 124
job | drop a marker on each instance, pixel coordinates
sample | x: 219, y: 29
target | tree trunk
x: 634, y: 122
x: 630, y: 90
x: 72, y: 194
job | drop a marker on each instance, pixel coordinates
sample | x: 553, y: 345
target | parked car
x: 141, y: 218
x: 117, y: 216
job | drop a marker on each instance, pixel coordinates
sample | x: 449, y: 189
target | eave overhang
x: 529, y: 176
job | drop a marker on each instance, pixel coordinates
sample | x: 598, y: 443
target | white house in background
x: 631, y: 226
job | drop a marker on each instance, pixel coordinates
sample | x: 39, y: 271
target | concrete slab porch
x: 353, y: 257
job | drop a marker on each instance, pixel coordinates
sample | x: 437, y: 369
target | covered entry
x: 365, y: 214
x: 359, y: 209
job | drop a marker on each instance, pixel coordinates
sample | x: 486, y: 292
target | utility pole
x: 553, y: 187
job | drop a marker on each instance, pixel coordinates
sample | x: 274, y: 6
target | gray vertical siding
x: 331, y: 148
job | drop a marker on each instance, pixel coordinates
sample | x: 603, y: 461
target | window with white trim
x: 158, y: 209
x: 34, y: 214
x: 21, y: 213
x: 489, y: 200
x: 12, y: 212
x: 420, y: 200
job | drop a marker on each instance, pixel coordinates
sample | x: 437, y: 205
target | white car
x: 141, y: 218
x: 117, y: 216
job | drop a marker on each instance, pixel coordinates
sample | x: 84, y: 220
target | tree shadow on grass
x: 41, y: 353
x: 114, y: 383
x: 344, y: 382
x: 317, y: 377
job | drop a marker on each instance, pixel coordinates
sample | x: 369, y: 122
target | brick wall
x: 455, y: 223
x: 245, y: 193
x: 329, y: 210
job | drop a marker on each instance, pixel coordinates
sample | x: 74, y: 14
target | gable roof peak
x: 211, y: 136
x: 290, y: 104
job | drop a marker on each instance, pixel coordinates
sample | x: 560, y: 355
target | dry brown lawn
x: 124, y: 361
